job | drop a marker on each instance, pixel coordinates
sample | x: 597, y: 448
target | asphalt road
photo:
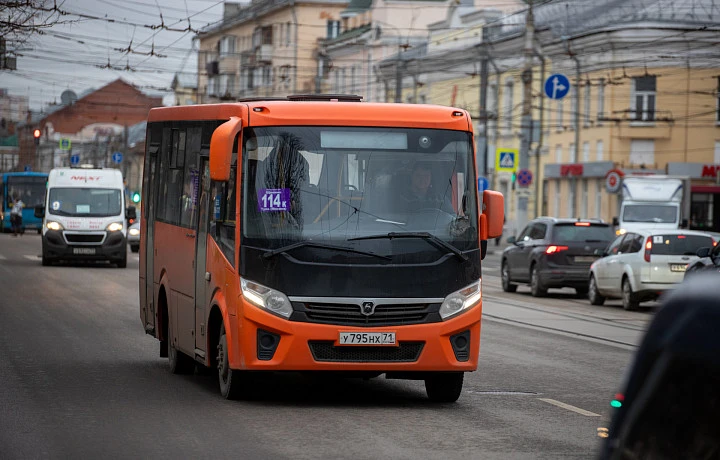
x: 80, y: 379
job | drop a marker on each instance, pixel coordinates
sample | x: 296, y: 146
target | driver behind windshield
x: 420, y: 193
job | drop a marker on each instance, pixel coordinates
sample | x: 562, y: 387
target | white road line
x: 570, y: 408
x: 32, y: 257
x: 2, y: 257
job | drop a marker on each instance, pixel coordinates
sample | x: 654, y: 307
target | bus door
x: 201, y: 273
x: 150, y: 186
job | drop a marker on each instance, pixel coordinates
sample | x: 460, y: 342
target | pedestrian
x: 16, y: 217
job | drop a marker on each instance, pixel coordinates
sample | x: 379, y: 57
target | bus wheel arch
x: 163, y: 320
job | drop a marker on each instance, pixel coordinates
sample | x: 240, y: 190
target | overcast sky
x: 67, y: 56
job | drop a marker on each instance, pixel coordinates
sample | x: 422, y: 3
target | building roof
x: 357, y: 6
x: 184, y: 80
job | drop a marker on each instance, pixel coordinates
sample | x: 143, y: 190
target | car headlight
x: 620, y: 231
x: 461, y: 300
x: 268, y: 299
x: 134, y: 231
x: 52, y: 225
x: 114, y: 227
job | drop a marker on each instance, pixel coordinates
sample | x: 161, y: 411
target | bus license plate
x: 84, y: 251
x: 678, y: 267
x: 367, y: 338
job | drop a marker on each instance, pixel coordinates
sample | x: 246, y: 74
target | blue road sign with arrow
x: 75, y: 159
x: 117, y: 157
x: 483, y: 184
x: 557, y: 86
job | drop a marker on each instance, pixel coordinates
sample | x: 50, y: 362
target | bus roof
x: 321, y: 113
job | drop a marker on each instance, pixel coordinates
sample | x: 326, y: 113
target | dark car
x: 709, y: 261
x: 554, y: 253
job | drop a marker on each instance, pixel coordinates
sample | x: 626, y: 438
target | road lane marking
x: 2, y: 257
x: 32, y: 257
x: 577, y: 410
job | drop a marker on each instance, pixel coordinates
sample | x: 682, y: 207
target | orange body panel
x: 293, y: 353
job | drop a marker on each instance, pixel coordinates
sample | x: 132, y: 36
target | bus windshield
x: 29, y: 189
x: 341, y: 185
x: 84, y: 202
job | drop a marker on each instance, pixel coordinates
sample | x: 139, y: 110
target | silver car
x: 133, y: 237
x: 640, y: 266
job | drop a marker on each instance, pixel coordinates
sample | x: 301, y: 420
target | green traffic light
x: 514, y: 176
x: 136, y: 197
x: 615, y: 403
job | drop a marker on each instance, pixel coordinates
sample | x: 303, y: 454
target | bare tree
x: 20, y: 20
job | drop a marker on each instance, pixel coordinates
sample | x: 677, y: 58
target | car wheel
x: 593, y: 294
x: 629, y: 298
x: 122, y: 263
x: 444, y: 387
x: 134, y: 248
x: 536, y: 287
x: 505, y: 278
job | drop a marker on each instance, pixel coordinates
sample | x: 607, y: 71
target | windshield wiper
x: 424, y: 235
x: 312, y: 244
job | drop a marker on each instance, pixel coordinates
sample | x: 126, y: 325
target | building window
x: 558, y: 153
x: 598, y: 198
x: 353, y: 73
x: 267, y: 75
x: 333, y: 29
x: 717, y: 153
x: 584, y: 203
x: 227, y: 46
x: 717, y: 105
x: 559, y: 115
x: 601, y: 100
x: 586, y: 152
x: 574, y: 107
x: 508, y: 106
x: 643, y: 98
x: 642, y: 152
x: 599, y: 153
x: 573, y: 154
x: 586, y: 105
x: 287, y: 34
x: 556, y: 198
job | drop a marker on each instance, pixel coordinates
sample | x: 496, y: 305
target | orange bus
x: 315, y: 233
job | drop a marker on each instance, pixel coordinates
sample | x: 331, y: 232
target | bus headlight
x: 114, y: 227
x: 52, y: 225
x: 268, y: 299
x: 461, y: 300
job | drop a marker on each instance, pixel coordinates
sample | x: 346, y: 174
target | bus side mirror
x: 493, y: 215
x: 39, y: 212
x: 131, y: 213
x: 221, y: 147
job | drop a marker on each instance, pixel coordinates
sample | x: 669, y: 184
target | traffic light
x: 36, y: 135
x: 136, y: 197
x: 514, y: 176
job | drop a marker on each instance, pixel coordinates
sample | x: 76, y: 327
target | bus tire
x: 444, y: 387
x: 179, y: 362
x: 232, y: 383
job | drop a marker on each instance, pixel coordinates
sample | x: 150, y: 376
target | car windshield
x: 331, y: 185
x: 676, y: 245
x: 84, y: 202
x: 656, y: 213
x: 583, y: 233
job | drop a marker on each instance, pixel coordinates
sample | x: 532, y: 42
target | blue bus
x: 30, y: 188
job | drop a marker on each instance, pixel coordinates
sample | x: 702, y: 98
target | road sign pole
x: 521, y: 211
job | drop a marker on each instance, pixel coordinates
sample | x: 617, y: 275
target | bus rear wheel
x: 179, y: 362
x: 444, y: 387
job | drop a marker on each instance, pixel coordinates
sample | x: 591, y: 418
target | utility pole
x: 398, y: 75
x: 538, y: 203
x: 521, y: 213
x: 483, y: 150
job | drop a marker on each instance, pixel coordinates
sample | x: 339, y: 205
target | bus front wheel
x: 233, y: 384
x: 444, y: 387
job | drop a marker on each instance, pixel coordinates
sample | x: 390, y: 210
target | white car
x: 134, y: 236
x: 639, y: 266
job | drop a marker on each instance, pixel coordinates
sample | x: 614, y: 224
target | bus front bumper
x: 54, y: 247
x: 299, y: 346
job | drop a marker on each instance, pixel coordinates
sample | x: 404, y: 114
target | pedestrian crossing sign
x: 506, y: 160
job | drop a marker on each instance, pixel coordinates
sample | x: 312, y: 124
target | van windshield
x: 85, y: 202
x: 655, y: 213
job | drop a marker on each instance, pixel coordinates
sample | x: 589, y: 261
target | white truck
x: 84, y: 216
x: 654, y: 202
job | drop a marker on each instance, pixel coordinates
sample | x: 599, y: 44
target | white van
x: 84, y: 216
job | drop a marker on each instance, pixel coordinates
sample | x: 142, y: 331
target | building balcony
x: 264, y: 53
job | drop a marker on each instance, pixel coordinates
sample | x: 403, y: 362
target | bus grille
x: 84, y: 238
x: 406, y: 352
x: 350, y: 315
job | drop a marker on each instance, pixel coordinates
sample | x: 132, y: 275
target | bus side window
x: 222, y: 220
